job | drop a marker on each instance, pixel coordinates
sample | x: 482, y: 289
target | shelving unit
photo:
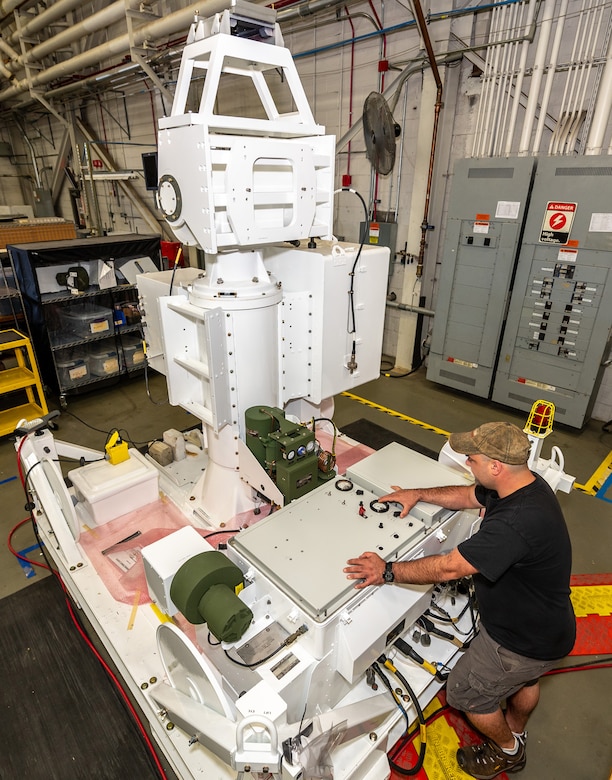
x: 23, y: 377
x: 11, y: 309
x: 81, y: 303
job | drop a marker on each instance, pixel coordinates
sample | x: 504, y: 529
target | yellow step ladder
x: 24, y: 376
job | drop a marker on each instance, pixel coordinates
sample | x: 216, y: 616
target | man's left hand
x: 368, y: 569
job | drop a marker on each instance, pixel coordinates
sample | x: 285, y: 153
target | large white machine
x: 283, y: 315
x: 261, y: 659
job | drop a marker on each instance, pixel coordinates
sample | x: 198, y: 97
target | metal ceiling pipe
x: 7, y: 7
x: 411, y: 308
x: 550, y: 74
x: 422, y: 25
x: 45, y: 18
x: 98, y: 21
x: 91, y: 81
x: 537, y: 76
x: 518, y: 84
x: 178, y: 21
x: 306, y: 9
x: 8, y: 50
x: 603, y: 107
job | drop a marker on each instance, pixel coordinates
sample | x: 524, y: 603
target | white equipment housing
x: 266, y: 322
x: 236, y: 181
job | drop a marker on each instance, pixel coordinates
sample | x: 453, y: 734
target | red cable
x: 350, y: 123
x: 9, y: 544
x: 116, y: 682
x: 578, y: 669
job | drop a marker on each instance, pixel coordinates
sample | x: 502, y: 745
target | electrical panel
x: 380, y: 234
x: 560, y: 314
x: 485, y: 219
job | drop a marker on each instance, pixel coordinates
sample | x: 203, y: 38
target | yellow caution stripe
x: 393, y: 413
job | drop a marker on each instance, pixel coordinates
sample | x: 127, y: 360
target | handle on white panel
x: 262, y: 722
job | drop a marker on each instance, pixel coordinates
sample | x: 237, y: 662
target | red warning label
x: 557, y: 222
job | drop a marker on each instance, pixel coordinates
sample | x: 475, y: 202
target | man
x: 520, y: 561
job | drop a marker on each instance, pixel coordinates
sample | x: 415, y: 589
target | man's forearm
x: 449, y: 497
x: 433, y: 568
x: 369, y: 569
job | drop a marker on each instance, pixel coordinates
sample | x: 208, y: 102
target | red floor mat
x: 592, y: 600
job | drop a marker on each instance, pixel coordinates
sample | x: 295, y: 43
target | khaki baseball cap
x: 498, y: 440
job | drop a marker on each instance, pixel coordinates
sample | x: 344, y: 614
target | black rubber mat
x: 61, y: 715
x: 376, y: 437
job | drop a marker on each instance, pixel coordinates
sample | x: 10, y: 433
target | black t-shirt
x: 523, y: 556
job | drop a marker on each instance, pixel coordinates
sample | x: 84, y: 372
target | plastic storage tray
x: 86, y: 319
x: 133, y: 352
x: 103, y: 360
x: 72, y: 369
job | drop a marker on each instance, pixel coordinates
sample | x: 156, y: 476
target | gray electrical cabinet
x: 560, y: 314
x: 485, y: 218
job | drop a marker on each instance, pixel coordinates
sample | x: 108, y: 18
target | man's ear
x: 496, y: 467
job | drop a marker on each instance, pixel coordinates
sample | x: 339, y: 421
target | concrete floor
x: 568, y: 738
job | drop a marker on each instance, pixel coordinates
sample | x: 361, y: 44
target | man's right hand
x: 407, y: 497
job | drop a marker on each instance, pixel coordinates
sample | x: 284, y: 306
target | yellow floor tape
x: 399, y: 415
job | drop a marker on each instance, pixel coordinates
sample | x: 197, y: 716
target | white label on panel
x: 481, y: 227
x: 567, y: 255
x: 600, y: 223
x: 507, y: 209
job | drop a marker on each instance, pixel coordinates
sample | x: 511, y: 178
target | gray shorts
x: 487, y: 673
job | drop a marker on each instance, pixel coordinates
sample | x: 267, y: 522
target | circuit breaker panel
x: 560, y: 314
x: 486, y: 215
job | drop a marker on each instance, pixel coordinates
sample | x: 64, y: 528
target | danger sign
x: 557, y: 222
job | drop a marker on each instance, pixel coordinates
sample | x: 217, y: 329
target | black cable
x: 352, y: 327
x: 172, y: 277
x: 108, y: 433
x: 256, y: 663
x: 27, y: 477
x: 406, y: 738
x: 86, y: 424
x: 421, y: 718
x: 407, y: 373
x: 285, y: 643
x: 351, y: 324
x: 423, y: 747
x: 147, y: 388
x: 218, y: 533
x: 383, y: 677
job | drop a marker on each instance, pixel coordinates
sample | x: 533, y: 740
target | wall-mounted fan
x: 380, y: 131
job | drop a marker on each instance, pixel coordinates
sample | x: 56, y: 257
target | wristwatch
x: 388, y: 575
